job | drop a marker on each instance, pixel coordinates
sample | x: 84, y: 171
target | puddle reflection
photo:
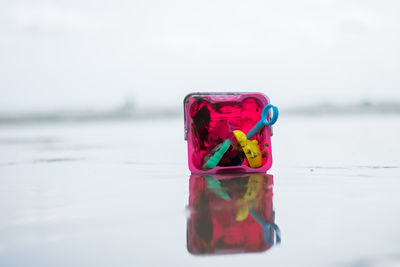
x: 231, y: 214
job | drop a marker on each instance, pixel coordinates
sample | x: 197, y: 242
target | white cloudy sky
x: 73, y: 54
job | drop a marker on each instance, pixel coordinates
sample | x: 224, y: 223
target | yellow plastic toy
x: 250, y: 149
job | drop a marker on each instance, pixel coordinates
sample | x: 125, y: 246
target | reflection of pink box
x: 215, y: 201
x: 211, y: 117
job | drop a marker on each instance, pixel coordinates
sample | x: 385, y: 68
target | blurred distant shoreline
x: 130, y: 113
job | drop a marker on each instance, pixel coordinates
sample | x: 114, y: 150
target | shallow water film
x: 119, y: 193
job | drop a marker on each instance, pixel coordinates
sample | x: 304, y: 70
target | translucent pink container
x: 210, y: 118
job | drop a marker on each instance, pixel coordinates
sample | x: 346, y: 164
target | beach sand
x: 115, y: 194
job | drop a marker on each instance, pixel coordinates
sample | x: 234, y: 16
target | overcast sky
x: 74, y: 54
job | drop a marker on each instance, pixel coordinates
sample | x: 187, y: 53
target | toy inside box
x: 229, y: 132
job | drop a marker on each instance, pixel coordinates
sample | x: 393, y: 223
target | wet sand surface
x: 116, y: 194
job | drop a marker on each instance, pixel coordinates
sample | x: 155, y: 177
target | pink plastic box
x: 210, y: 118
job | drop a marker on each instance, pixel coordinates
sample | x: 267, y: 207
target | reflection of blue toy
x: 267, y: 227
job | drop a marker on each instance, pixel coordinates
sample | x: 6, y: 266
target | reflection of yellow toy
x: 249, y: 198
x: 250, y: 149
